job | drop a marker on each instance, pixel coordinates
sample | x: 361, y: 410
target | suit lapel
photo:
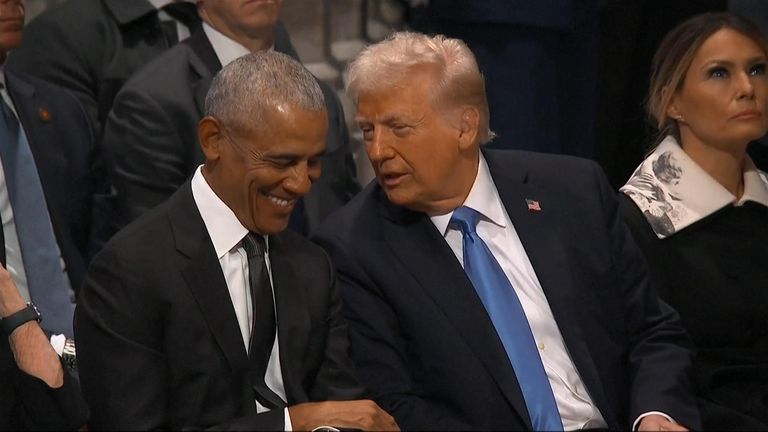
x: 202, y: 272
x: 538, y: 232
x: 293, y: 320
x: 418, y: 245
x: 204, y: 63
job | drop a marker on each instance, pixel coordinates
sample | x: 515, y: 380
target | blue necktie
x: 39, y: 249
x: 508, y: 317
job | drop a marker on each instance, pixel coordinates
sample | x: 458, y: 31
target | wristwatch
x: 29, y: 313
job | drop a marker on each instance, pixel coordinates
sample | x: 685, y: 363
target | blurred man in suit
x: 91, y: 47
x: 47, y: 183
x: 492, y: 289
x: 150, y: 138
x: 205, y: 312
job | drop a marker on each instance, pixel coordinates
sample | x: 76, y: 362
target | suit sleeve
x: 379, y: 348
x: 336, y: 378
x: 144, y: 154
x: 119, y: 337
x: 658, y: 348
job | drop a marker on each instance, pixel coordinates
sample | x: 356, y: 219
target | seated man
x: 204, y: 312
x: 48, y: 182
x: 91, y: 47
x: 150, y: 138
x: 492, y: 289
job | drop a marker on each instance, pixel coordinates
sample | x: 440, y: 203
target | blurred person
x: 490, y: 289
x: 151, y: 140
x: 206, y: 312
x: 547, y: 102
x: 47, y: 184
x: 91, y: 47
x: 698, y: 207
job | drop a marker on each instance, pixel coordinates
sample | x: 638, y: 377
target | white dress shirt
x: 14, y: 262
x: 577, y: 410
x: 227, y: 233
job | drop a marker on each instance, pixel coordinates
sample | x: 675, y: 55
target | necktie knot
x: 254, y: 245
x: 465, y: 219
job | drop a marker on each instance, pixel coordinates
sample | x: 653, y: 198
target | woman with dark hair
x: 698, y: 207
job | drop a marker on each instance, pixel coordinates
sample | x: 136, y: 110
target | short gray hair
x: 388, y: 62
x: 244, y: 90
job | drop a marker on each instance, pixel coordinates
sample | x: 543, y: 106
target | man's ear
x: 211, y: 135
x: 469, y: 127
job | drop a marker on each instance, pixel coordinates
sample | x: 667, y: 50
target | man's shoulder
x: 165, y: 76
x: 361, y: 214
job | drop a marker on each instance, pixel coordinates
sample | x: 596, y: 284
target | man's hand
x: 656, y: 422
x: 33, y: 353
x: 360, y: 414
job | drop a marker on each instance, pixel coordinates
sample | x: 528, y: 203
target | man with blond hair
x: 492, y: 289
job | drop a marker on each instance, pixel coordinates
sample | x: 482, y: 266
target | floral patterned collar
x: 674, y: 192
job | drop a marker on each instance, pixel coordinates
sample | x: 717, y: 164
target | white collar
x: 226, y: 49
x: 483, y: 198
x: 674, y: 192
x: 223, y: 227
x: 159, y: 4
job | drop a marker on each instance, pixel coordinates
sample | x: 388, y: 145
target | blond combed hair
x: 459, y: 81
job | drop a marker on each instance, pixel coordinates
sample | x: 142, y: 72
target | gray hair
x: 388, y: 62
x: 242, y: 92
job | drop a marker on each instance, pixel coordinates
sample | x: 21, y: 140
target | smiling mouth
x: 280, y: 202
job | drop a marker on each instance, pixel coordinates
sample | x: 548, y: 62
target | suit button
x: 541, y: 346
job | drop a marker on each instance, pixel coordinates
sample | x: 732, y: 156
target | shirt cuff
x: 57, y: 342
x: 642, y: 416
x: 288, y: 426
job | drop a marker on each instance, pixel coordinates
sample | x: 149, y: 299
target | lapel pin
x: 533, y: 205
x: 44, y: 114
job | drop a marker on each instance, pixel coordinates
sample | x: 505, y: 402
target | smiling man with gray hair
x: 205, y: 312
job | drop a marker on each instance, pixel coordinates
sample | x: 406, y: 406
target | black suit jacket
x: 425, y: 346
x: 158, y: 341
x: 151, y: 139
x: 61, y: 140
x: 90, y: 47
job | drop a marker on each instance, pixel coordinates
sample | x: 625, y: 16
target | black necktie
x: 263, y: 327
x: 183, y: 12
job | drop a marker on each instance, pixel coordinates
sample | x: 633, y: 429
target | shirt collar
x: 223, y: 227
x: 674, y: 192
x: 226, y: 49
x: 159, y: 4
x: 483, y: 198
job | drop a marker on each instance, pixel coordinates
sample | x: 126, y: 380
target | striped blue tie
x: 508, y: 317
x: 39, y: 250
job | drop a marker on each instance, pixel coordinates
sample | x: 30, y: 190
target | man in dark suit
x: 492, y: 289
x: 204, y: 312
x: 150, y: 138
x: 91, y: 47
x: 47, y: 190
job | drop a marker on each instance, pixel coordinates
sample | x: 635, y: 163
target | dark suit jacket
x: 63, y: 150
x: 425, y: 346
x: 158, y: 341
x: 151, y: 140
x: 90, y: 47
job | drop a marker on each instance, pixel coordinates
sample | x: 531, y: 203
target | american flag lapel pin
x: 533, y: 205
